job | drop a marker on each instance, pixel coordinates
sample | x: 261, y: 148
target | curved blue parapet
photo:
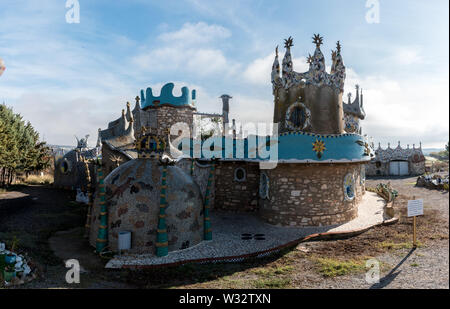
x: 167, y: 98
x: 295, y: 147
x: 300, y: 146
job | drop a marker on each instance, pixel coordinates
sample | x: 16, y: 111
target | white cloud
x: 193, y: 34
x: 407, y: 56
x: 410, y: 110
x: 191, y: 49
x: 258, y: 72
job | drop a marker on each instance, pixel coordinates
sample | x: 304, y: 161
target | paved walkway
x: 229, y: 228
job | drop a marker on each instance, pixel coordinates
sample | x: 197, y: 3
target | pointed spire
x: 128, y: 114
x: 276, y: 71
x: 338, y: 47
x: 99, y: 138
x: 361, y: 98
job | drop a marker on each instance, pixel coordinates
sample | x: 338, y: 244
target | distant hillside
x: 427, y: 151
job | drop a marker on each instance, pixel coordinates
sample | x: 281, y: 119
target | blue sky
x: 71, y: 79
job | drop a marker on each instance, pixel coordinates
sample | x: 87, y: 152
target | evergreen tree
x: 20, y: 148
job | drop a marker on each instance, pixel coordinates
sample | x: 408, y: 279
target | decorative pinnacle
x: 357, y: 87
x: 310, y: 59
x: 333, y: 54
x: 338, y: 46
x: 318, y: 40
x: 128, y: 104
x: 276, y: 51
x: 137, y: 99
x: 289, y: 42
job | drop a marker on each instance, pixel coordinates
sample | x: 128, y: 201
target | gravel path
x: 424, y: 268
x: 228, y: 228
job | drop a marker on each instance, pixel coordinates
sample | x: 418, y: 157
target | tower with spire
x: 354, y: 112
x: 310, y: 101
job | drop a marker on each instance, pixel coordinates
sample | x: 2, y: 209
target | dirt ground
x: 49, y: 227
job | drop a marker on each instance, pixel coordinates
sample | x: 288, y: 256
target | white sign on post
x: 415, y: 208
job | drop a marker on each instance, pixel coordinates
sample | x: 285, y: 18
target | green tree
x: 20, y: 148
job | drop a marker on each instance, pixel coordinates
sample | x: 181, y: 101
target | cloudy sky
x: 72, y: 78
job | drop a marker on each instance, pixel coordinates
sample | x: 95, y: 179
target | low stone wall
x: 311, y: 194
x: 233, y: 195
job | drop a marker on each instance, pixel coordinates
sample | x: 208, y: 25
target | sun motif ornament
x: 150, y: 146
x: 319, y: 147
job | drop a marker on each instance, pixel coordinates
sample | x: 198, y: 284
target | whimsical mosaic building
x: 73, y: 170
x: 397, y: 161
x: 164, y: 192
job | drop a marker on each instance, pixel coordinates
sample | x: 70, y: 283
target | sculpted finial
x: 276, y: 51
x: 289, y: 42
x: 333, y: 54
x: 310, y: 59
x: 318, y: 40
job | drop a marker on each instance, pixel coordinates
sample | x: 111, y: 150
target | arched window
x: 298, y: 116
x: 362, y: 179
x: 240, y: 175
x: 349, y: 187
x: 263, y: 186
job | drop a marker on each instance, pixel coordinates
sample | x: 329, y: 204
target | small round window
x: 264, y: 186
x: 349, y: 187
x: 65, y: 166
x: 240, y: 174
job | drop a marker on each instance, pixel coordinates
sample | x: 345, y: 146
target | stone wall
x: 200, y: 176
x: 417, y: 168
x: 311, y: 194
x: 377, y: 168
x: 233, y: 195
x: 165, y: 117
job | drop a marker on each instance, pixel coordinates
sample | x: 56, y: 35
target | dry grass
x: 39, y: 180
x: 330, y: 267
